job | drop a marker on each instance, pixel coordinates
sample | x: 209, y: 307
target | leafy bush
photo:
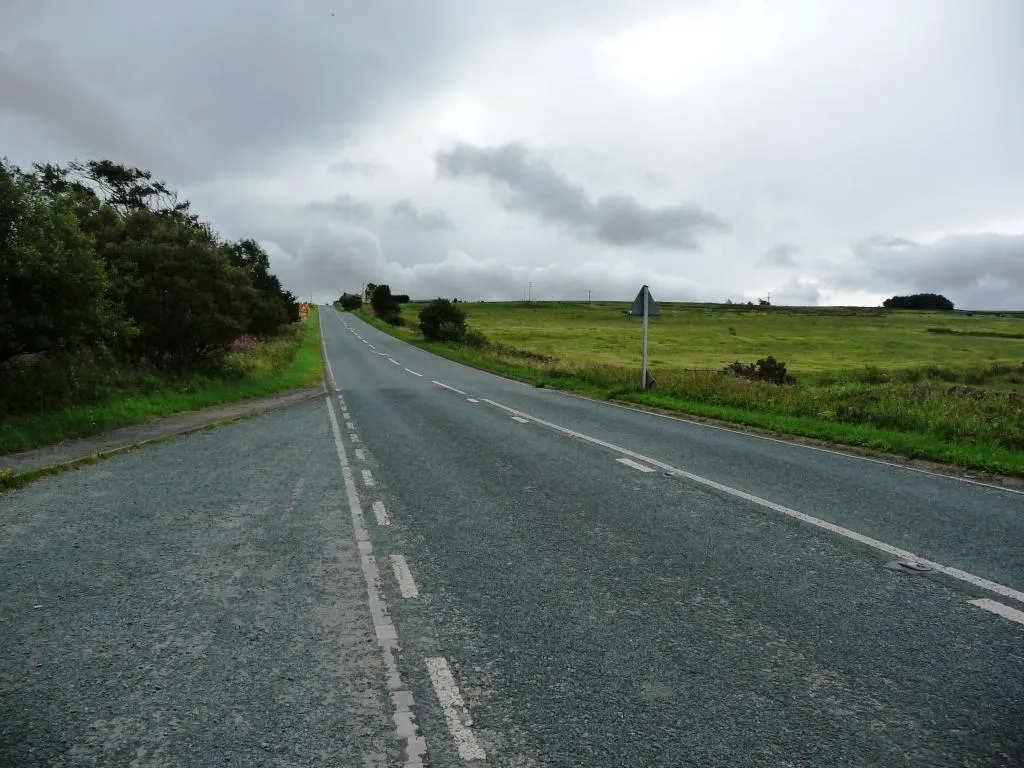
x: 919, y: 301
x: 441, y: 320
x: 385, y: 305
x: 350, y: 301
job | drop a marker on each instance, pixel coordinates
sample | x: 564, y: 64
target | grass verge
x: 288, y: 361
x: 967, y: 427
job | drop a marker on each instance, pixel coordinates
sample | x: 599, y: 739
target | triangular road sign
x: 637, y: 309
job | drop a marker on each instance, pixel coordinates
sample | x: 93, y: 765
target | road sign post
x: 643, y: 373
x: 644, y: 306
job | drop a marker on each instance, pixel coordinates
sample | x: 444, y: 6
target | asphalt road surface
x: 435, y: 566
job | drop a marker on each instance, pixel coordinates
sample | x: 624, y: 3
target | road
x: 437, y: 566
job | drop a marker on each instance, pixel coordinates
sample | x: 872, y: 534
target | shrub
x: 919, y: 301
x: 350, y: 301
x: 385, y: 306
x: 766, y: 369
x: 441, y: 320
x: 475, y: 339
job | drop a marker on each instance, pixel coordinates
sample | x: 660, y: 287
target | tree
x: 52, y: 285
x: 368, y: 292
x: 441, y: 320
x: 186, y: 298
x: 919, y: 301
x: 350, y: 301
x: 384, y: 305
x: 273, y: 306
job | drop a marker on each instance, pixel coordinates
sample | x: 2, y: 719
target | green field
x: 947, y: 386
x: 688, y: 336
x: 288, y: 361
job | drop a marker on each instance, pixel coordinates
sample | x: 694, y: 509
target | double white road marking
x: 441, y: 678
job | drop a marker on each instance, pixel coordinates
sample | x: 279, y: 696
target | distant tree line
x: 99, y: 255
x: 919, y: 301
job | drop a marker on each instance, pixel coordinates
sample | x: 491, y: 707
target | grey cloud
x: 779, y: 255
x: 343, y: 207
x: 233, y: 83
x: 335, y: 258
x: 797, y: 292
x: 236, y: 83
x: 976, y: 271
x: 534, y: 186
x: 407, y: 218
x: 37, y: 83
x: 346, y: 167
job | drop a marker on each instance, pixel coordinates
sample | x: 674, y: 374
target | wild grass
x: 83, y: 396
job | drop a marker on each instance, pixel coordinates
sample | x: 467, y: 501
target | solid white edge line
x: 406, y: 583
x: 636, y: 465
x: 442, y: 384
x: 379, y: 512
x: 455, y: 712
x: 368, y: 480
x: 520, y: 419
x: 414, y: 373
x: 881, y: 546
x: 634, y: 409
x: 999, y: 609
x: 387, y: 636
x: 791, y: 443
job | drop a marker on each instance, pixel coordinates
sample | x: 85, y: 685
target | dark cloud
x: 534, y: 186
x: 232, y: 83
x: 407, y: 218
x: 779, y: 255
x: 344, y: 208
x: 975, y: 271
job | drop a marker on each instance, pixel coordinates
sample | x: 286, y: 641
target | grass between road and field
x: 882, y: 380
x: 290, y: 360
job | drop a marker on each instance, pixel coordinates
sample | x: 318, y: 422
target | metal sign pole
x: 643, y: 375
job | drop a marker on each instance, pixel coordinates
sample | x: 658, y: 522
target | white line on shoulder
x: 881, y: 546
x: 636, y: 465
x: 999, y: 609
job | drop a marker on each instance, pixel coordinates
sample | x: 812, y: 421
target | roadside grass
x: 960, y: 403
x: 289, y: 361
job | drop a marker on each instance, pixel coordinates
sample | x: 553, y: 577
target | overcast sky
x: 822, y: 152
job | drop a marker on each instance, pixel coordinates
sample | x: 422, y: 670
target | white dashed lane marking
x: 454, y: 708
x: 381, y: 513
x: 406, y: 584
x: 445, y: 386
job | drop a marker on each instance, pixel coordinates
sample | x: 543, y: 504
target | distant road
x: 441, y: 562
